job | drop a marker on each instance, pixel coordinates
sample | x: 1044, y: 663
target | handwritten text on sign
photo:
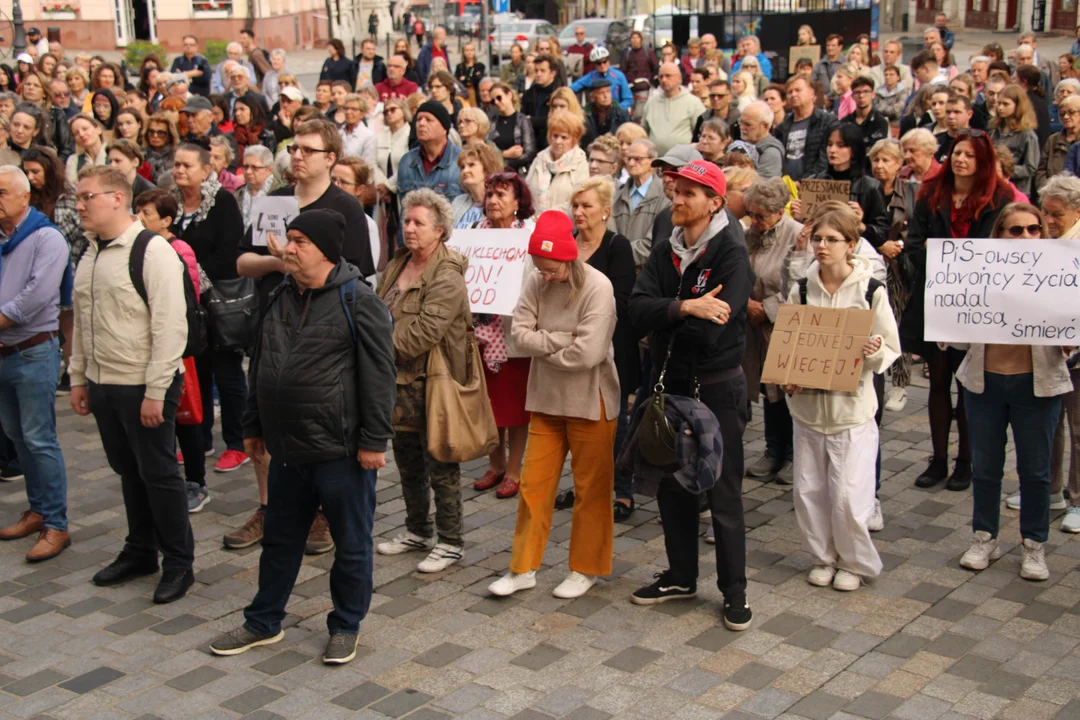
x: 1023, y: 292
x: 272, y: 214
x: 816, y: 347
x: 815, y: 192
x: 497, y: 263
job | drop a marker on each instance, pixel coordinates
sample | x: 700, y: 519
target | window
x: 214, y: 7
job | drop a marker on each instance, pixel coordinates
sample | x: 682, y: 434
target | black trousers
x: 679, y: 509
x: 155, y: 497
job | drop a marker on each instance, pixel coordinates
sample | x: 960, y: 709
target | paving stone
x: 178, y: 624
x: 813, y: 638
x: 91, y: 680
x: 585, y: 606
x: 902, y: 645
x: 785, y: 624
x: 464, y: 698
x: 29, y: 611
x: 401, y: 702
x: 951, y: 645
x: 713, y: 639
x: 399, y: 587
x: 931, y: 508
x: 399, y: 606
x: 1007, y: 685
x: 282, y: 662
x: 85, y: 607
x: 133, y: 624
x: 196, y: 678
x: 33, y: 683
x: 587, y: 713
x: 563, y: 700
x: 539, y: 657
x: 491, y: 606
x: 361, y: 696
x: 529, y: 714
x: 755, y: 676
x: 818, y: 705
x: 928, y: 592
x: 951, y: 610
x: 1071, y: 711
x: 252, y: 699
x: 632, y: 659
x: 442, y: 655
x: 873, y: 705
x: 695, y: 682
x: 1041, y: 612
x: 974, y: 667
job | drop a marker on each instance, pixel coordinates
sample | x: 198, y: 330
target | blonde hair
x: 1023, y: 117
x: 602, y: 185
x: 838, y: 216
x: 628, y: 132
x: 749, y: 88
x: 740, y: 178
x: 484, y: 154
x: 565, y: 93
x: 479, y: 117
x: 887, y: 146
x: 567, y: 122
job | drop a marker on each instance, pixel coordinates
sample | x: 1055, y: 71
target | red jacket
x: 402, y: 90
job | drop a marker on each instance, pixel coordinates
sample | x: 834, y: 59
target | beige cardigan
x: 574, y: 363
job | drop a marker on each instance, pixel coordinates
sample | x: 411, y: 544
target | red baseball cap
x: 704, y: 173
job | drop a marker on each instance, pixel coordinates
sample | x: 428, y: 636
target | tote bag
x: 189, y: 411
x: 460, y: 423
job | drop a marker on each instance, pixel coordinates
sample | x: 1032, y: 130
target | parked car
x: 468, y: 23
x: 642, y: 24
x: 520, y: 32
x: 612, y: 34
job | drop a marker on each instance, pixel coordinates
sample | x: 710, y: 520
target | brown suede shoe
x: 50, y: 544
x: 248, y: 534
x: 28, y: 524
x: 319, y: 540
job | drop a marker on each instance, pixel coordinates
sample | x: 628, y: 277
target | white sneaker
x: 405, y: 542
x: 1057, y: 501
x: 846, y: 581
x: 1071, y: 522
x: 1033, y: 564
x: 877, y: 522
x: 511, y: 582
x: 575, y: 585
x: 896, y: 400
x: 440, y: 558
x: 821, y: 575
x: 982, y: 551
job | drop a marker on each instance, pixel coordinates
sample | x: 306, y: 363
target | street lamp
x: 19, y: 45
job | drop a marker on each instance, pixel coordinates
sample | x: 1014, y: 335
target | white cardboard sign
x: 497, y: 264
x: 272, y: 214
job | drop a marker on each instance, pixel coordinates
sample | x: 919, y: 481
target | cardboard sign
x: 817, y: 347
x: 798, y: 52
x: 272, y: 214
x: 1002, y: 291
x: 498, y: 260
x: 815, y: 192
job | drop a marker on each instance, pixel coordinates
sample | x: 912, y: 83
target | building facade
x: 1003, y: 15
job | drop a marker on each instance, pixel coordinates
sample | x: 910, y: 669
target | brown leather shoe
x: 28, y: 524
x: 508, y: 488
x: 318, y: 539
x: 50, y: 544
x: 248, y: 534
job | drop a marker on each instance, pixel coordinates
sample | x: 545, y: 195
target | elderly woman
x: 259, y: 179
x: 738, y: 180
x: 714, y: 140
x: 271, y: 85
x: 508, y: 204
x: 161, y: 141
x: 511, y: 130
x: 1064, y: 89
x: 1056, y: 149
x: 560, y: 166
x: 565, y: 320
x: 771, y: 236
x: 424, y: 288
x: 221, y: 158
x: 476, y: 162
x: 473, y: 126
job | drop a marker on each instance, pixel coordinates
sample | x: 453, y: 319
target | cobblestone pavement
x: 927, y: 640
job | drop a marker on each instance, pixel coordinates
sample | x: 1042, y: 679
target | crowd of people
x: 666, y: 229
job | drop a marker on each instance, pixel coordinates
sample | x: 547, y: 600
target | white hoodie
x: 829, y: 411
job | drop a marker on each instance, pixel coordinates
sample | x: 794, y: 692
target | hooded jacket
x: 317, y: 391
x: 830, y: 412
x: 671, y: 121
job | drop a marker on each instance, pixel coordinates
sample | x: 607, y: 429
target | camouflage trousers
x: 420, y: 474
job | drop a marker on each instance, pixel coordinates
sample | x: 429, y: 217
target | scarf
x: 245, y: 135
x: 36, y: 220
x: 684, y: 256
x: 208, y: 190
x: 549, y: 168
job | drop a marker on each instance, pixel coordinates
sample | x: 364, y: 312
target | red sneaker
x: 179, y: 457
x: 231, y: 460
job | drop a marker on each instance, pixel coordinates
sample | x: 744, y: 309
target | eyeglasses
x: 718, y: 96
x: 760, y: 217
x: 304, y: 150
x: 1068, y: 113
x: 1018, y: 230
x: 547, y: 274
x: 253, y: 168
x: 352, y: 108
x: 157, y: 133
x: 497, y: 98
x: 65, y: 94
x: 85, y: 198
x: 862, y: 91
x: 340, y: 182
x: 636, y: 159
x: 828, y: 241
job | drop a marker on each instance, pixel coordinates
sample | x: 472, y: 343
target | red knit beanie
x: 553, y: 237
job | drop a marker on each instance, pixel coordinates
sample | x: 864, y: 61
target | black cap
x: 438, y: 110
x: 324, y: 228
x: 33, y: 31
x: 599, y: 82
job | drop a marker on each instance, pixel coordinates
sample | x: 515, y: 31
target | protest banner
x: 818, y: 347
x: 798, y: 52
x: 498, y: 260
x: 272, y: 214
x: 814, y: 192
x: 1002, y: 291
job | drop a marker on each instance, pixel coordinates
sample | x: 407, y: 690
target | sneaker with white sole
x: 845, y: 581
x: 405, y: 542
x: 197, y: 497
x: 1071, y: 521
x: 1033, y: 562
x: 662, y: 590
x: 877, y: 521
x: 1013, y: 502
x: 896, y: 400
x: 981, y: 552
x: 1057, y: 501
x: 821, y: 575
x: 511, y: 582
x: 441, y: 557
x: 575, y: 585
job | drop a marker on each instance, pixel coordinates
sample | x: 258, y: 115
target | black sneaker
x: 11, y: 474
x: 737, y: 614
x: 64, y: 386
x: 663, y: 590
x: 935, y: 472
x: 341, y: 649
x: 242, y: 640
x: 961, y: 476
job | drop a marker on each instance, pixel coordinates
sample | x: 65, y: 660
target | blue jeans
x: 28, y: 415
x: 624, y: 479
x: 1009, y: 401
x: 778, y: 430
x: 346, y: 493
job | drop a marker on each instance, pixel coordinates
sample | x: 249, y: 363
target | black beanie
x: 438, y: 110
x: 324, y: 228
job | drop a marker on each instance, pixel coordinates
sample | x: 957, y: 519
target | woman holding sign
x: 836, y: 437
x: 1019, y: 387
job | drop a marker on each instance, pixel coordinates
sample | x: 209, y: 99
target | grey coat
x: 1025, y: 150
x: 637, y: 225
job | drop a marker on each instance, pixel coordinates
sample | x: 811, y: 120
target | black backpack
x: 196, y: 314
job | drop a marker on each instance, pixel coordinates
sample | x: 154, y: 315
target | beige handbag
x: 460, y: 423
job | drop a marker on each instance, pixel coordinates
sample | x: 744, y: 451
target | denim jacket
x: 443, y: 178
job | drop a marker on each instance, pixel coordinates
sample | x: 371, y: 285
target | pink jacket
x: 188, y: 256
x: 1017, y: 195
x: 230, y: 181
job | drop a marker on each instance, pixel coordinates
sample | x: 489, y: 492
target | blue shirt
x: 620, y: 89
x: 639, y: 192
x: 763, y: 64
x: 30, y: 278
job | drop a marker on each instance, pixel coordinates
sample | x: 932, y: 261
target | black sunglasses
x: 1018, y: 230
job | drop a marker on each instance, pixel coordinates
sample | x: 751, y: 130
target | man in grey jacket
x: 639, y: 200
x: 754, y: 124
x: 322, y: 390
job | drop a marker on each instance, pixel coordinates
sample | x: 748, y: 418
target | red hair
x: 988, y: 189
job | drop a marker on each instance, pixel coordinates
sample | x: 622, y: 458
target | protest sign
x: 815, y: 192
x: 798, y: 52
x: 272, y: 214
x: 1002, y: 291
x: 818, y: 347
x: 497, y: 264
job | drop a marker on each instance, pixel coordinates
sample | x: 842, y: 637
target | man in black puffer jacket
x: 322, y: 385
